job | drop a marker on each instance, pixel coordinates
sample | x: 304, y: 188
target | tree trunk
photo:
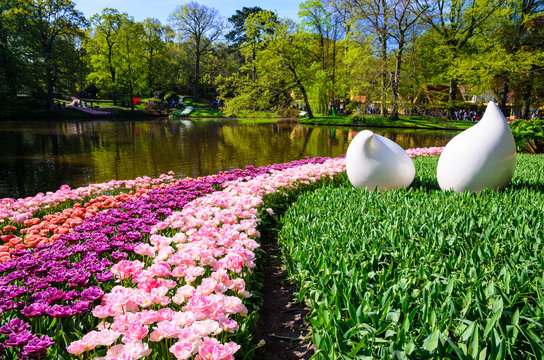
x: 334, y: 64
x: 197, y: 75
x: 50, y: 85
x: 112, y: 70
x: 452, y: 98
x: 395, y: 83
x: 503, y: 97
x: 130, y: 89
x: 526, y: 108
x: 253, y: 70
x: 384, y: 35
x: 150, y: 76
x: 306, y: 101
x: 384, y: 75
x: 131, y: 94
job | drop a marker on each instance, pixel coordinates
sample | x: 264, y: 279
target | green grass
x: 195, y: 103
x: 246, y: 114
x: 422, y: 273
x: 419, y: 122
x: 206, y: 113
x: 198, y: 113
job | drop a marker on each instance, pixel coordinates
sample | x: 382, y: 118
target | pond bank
x: 404, y: 122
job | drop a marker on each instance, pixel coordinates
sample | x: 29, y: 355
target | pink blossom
x: 79, y: 347
x: 211, y: 349
x: 134, y: 333
x: 161, y: 269
x: 125, y: 269
x: 182, y: 350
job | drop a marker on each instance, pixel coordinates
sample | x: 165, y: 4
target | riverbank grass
x: 422, y: 273
x: 416, y: 122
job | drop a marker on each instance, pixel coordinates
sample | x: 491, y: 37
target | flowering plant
x: 166, y: 271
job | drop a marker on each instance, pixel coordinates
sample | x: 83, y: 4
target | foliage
x: 200, y: 26
x: 384, y: 53
x: 422, y: 273
x: 529, y: 133
x: 44, y: 34
x: 238, y: 35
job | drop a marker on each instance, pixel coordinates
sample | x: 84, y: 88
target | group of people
x: 218, y: 103
x: 463, y: 114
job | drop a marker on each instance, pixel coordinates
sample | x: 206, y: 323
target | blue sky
x: 160, y: 9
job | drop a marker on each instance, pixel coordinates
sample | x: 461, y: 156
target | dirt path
x: 281, y: 324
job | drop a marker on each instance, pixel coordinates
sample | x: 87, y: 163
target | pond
x: 40, y: 156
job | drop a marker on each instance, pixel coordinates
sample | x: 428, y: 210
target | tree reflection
x: 42, y: 156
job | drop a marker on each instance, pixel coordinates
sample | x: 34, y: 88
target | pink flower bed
x: 430, y: 151
x: 189, y: 286
x: 180, y: 293
x: 19, y: 210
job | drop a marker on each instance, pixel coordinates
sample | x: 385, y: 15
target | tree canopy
x: 395, y: 56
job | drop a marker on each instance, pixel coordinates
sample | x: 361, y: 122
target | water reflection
x: 41, y: 156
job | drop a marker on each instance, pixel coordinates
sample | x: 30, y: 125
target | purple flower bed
x: 55, y: 287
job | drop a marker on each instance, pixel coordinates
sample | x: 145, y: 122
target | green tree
x: 285, y: 56
x: 11, y: 60
x: 50, y: 28
x: 200, y: 26
x: 376, y: 18
x: 237, y: 36
x: 521, y: 41
x: 130, y: 39
x: 456, y: 23
x: 154, y: 46
x: 103, y: 46
x: 403, y: 18
x: 244, y: 39
x: 321, y: 22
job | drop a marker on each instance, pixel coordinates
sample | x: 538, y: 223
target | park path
x: 282, y: 322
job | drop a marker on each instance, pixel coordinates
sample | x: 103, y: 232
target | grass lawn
x: 198, y: 103
x: 421, y: 273
x: 246, y: 114
x: 419, y: 122
x: 198, y: 113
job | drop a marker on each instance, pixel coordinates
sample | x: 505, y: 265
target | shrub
x: 171, y: 95
x: 529, y: 133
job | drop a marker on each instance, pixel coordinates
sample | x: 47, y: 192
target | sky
x: 160, y: 9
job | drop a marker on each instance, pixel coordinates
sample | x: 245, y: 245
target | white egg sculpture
x: 374, y: 161
x: 481, y: 157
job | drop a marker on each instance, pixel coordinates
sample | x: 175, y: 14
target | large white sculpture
x: 481, y: 157
x: 374, y: 161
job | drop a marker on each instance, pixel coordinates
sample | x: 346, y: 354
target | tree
x: 10, y: 48
x: 521, y: 40
x: 104, y: 49
x: 456, y: 23
x: 404, y: 17
x: 49, y: 26
x: 241, y: 37
x: 130, y: 35
x: 200, y: 26
x: 319, y: 20
x: 155, y: 38
x: 286, y: 54
x: 237, y: 36
x: 376, y: 13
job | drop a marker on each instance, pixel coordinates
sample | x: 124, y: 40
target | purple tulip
x: 92, y: 293
x: 64, y: 278
x: 18, y: 338
x: 34, y: 309
x: 37, y: 347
